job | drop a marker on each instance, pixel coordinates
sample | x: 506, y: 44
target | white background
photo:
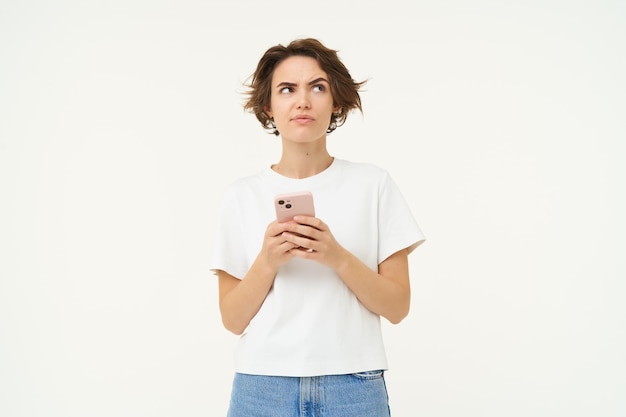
x: 503, y: 123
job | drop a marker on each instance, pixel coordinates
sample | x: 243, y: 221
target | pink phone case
x: 292, y: 204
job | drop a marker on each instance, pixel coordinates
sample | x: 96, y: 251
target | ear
x: 268, y: 111
x: 336, y: 109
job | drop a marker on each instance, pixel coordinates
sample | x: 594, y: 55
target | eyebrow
x: 290, y: 84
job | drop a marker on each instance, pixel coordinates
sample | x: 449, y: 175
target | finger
x: 311, y: 221
x: 298, y: 239
x: 275, y: 229
x: 304, y: 230
x: 302, y: 252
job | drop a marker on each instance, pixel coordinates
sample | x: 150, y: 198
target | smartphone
x: 293, y: 204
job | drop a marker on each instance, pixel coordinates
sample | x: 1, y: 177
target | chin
x: 303, y: 140
x: 304, y: 137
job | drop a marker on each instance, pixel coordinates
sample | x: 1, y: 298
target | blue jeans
x: 354, y: 395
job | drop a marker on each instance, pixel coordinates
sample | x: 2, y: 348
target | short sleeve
x: 397, y: 227
x: 226, y: 253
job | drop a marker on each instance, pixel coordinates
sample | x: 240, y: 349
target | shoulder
x: 362, y: 168
x: 367, y: 173
x: 243, y: 182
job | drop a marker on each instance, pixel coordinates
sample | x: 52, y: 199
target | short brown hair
x: 344, y: 89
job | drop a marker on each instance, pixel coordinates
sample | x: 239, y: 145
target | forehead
x: 297, y: 68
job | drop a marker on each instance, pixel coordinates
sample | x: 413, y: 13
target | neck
x: 303, y: 163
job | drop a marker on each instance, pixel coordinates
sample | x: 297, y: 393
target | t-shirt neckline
x: 313, y: 178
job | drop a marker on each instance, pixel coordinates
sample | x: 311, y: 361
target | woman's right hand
x: 276, y: 251
x: 241, y: 299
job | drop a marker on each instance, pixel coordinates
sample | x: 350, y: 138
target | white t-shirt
x: 311, y: 323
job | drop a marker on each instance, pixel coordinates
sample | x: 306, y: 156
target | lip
x: 302, y: 118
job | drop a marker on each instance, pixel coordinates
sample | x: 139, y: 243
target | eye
x: 286, y: 90
x: 319, y: 88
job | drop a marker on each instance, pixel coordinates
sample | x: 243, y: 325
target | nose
x: 303, y: 101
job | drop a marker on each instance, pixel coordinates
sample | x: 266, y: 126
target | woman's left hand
x: 386, y: 292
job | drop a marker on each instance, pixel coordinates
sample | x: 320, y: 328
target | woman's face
x: 301, y: 102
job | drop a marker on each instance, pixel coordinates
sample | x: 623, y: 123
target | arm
x: 385, y: 292
x: 388, y: 292
x: 240, y: 300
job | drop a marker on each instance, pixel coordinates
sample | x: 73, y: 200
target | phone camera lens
x: 281, y: 202
x: 288, y: 206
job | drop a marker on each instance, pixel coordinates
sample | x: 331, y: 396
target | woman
x: 307, y: 295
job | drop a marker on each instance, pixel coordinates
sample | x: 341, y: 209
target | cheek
x: 279, y: 109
